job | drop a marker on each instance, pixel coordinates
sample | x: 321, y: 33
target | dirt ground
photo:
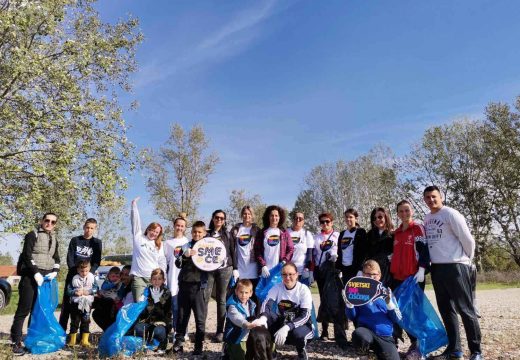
x: 500, y: 325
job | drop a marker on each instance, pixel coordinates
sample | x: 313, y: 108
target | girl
x: 351, y: 240
x: 380, y: 242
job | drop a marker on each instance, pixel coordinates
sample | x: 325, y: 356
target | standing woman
x: 351, y: 242
x: 326, y: 249
x: 242, y: 237
x: 147, y: 252
x: 220, y: 277
x: 273, y: 244
x: 380, y: 242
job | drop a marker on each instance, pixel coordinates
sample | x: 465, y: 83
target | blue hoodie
x: 375, y: 316
x: 234, y: 334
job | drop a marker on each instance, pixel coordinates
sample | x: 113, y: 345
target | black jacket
x: 84, y: 249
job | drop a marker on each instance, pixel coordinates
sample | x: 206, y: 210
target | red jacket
x: 408, y: 247
x: 286, y: 247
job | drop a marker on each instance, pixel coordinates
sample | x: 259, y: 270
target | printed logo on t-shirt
x: 287, y: 309
x: 295, y: 239
x: 177, y: 251
x: 326, y: 245
x: 244, y: 239
x: 273, y: 240
x: 84, y: 251
x: 345, y: 242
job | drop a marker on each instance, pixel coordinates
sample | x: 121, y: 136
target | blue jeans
x: 149, y: 332
x: 175, y: 311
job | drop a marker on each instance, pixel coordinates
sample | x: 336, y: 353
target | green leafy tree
x: 6, y: 259
x: 177, y: 172
x: 62, y: 134
x: 237, y: 200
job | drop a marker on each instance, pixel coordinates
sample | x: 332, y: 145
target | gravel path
x: 500, y: 325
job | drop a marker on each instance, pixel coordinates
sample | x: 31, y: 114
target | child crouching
x: 81, y: 291
x: 154, y: 323
x: 239, y: 308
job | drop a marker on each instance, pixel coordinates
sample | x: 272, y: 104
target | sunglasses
x: 299, y: 219
x: 221, y: 218
x: 53, y: 222
x: 324, y: 222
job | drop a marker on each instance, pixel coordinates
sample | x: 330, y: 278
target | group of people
x: 177, y: 287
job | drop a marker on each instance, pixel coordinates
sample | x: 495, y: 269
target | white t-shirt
x: 289, y: 301
x: 346, y: 245
x: 272, y: 239
x: 325, y: 244
x: 172, y: 250
x: 248, y: 269
x: 302, y: 240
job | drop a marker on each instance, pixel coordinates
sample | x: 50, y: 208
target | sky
x: 283, y: 86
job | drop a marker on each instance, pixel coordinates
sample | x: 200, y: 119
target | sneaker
x: 476, y: 356
x: 454, y: 355
x: 177, y: 347
x: 302, y: 355
x: 324, y: 336
x: 18, y: 349
x: 219, y: 337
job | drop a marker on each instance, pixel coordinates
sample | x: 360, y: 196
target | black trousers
x: 297, y: 336
x: 384, y: 346
x: 77, y: 320
x: 340, y: 336
x: 65, y: 303
x: 452, y: 286
x: 218, y: 280
x: 191, y: 298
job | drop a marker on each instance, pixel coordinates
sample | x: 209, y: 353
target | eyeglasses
x: 324, y: 222
x: 220, y: 218
x: 299, y: 219
x: 289, y: 275
x: 53, y: 222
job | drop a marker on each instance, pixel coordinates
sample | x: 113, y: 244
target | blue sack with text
x: 419, y: 317
x: 45, y: 335
x: 113, y: 341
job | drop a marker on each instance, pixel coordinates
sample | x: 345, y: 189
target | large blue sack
x: 265, y: 284
x: 113, y: 341
x: 45, y: 335
x: 419, y: 317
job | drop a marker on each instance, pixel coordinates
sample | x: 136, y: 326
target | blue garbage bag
x: 419, y: 317
x: 265, y: 284
x: 45, y: 335
x: 313, y: 313
x: 113, y: 341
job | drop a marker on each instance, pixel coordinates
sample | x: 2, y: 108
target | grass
x: 11, y: 308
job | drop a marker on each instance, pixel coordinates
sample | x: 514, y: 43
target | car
x: 5, y: 293
x: 107, y: 262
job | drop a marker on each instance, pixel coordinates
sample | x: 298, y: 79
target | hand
x: 389, y: 257
x: 39, y: 278
x: 306, y: 273
x: 250, y: 325
x: 265, y: 272
x: 236, y: 275
x: 333, y: 257
x: 135, y: 200
x: 388, y: 297
x: 284, y: 262
x: 281, y: 335
x: 261, y: 321
x: 78, y: 292
x: 190, y: 253
x: 359, y: 273
x: 348, y: 303
x: 419, y: 276
x: 52, y: 275
x: 156, y: 294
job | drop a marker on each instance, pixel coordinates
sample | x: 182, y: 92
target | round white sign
x: 210, y: 254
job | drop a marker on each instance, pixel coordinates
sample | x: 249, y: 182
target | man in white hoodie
x: 452, y: 248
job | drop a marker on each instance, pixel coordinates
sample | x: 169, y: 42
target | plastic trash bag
x: 265, y: 284
x: 113, y: 341
x: 332, y: 304
x: 45, y: 335
x: 419, y: 317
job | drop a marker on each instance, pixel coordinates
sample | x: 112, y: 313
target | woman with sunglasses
x: 286, y: 312
x: 273, y: 244
x: 351, y: 240
x: 147, y: 252
x: 380, y: 242
x: 219, y: 279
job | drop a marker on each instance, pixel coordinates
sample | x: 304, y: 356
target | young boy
x: 192, y: 284
x: 239, y: 308
x: 81, y: 290
x: 111, y: 285
x: 375, y: 320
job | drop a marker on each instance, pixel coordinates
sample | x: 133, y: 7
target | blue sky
x: 282, y: 86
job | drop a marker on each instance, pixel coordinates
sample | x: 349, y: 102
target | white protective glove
x: 306, y: 273
x: 156, y: 293
x: 52, y: 275
x: 333, y: 257
x: 281, y: 335
x: 261, y: 321
x: 265, y: 272
x: 39, y: 278
x: 419, y: 276
x: 236, y: 275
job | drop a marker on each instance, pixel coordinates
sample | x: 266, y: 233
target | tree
x: 177, y: 173
x: 6, y: 259
x: 237, y: 200
x: 501, y: 135
x: 62, y: 134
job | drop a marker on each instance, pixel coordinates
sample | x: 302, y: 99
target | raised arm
x: 135, y: 219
